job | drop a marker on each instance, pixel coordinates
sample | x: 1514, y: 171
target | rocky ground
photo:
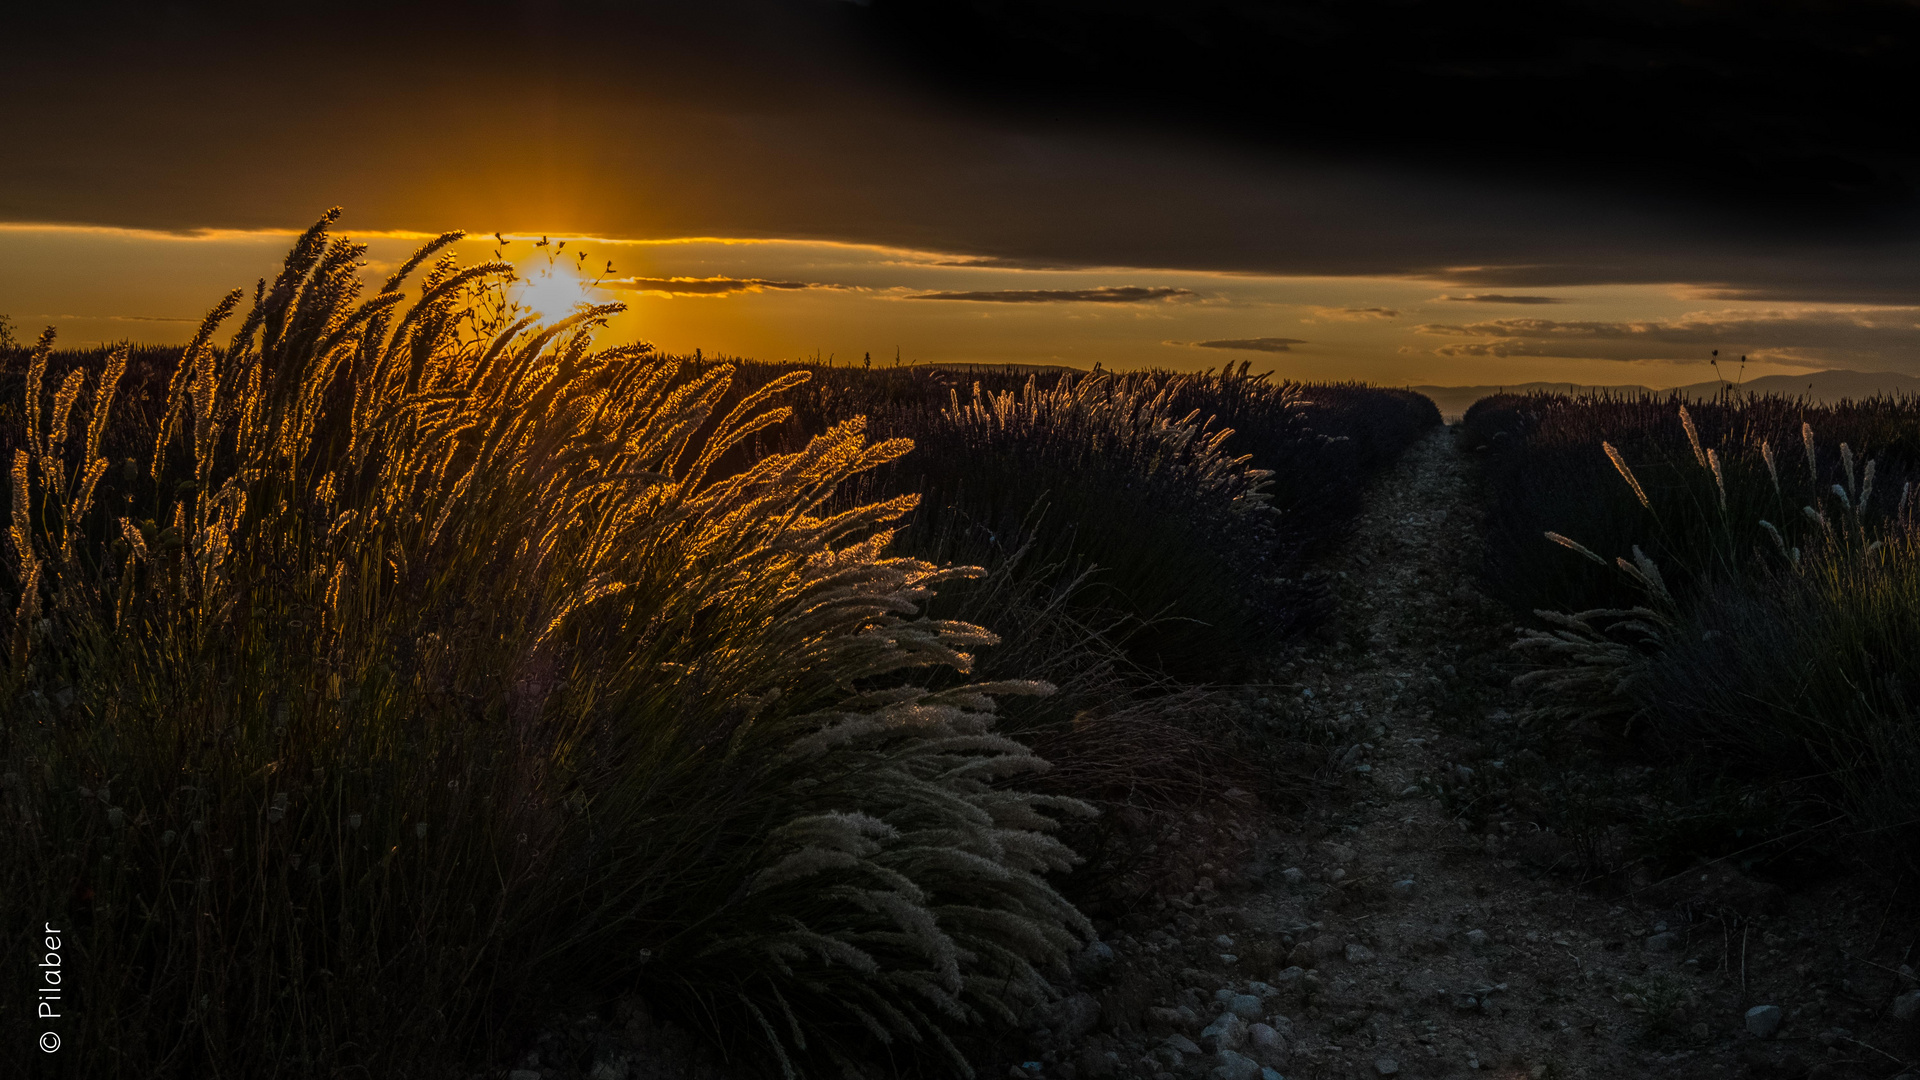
x: 1427, y: 895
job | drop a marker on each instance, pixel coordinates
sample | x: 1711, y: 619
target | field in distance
x: 1824, y: 387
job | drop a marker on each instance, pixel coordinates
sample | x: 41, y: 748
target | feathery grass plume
x: 1620, y: 463
x: 1115, y: 482
x: 1575, y: 545
x: 438, y: 663
x: 1112, y: 571
x: 36, y: 375
x: 1719, y: 480
x: 1693, y: 436
x: 1771, y: 674
x: 1647, y: 573
x: 1773, y: 532
x: 1591, y: 666
x: 1558, y: 477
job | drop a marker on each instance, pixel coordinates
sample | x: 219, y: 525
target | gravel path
x: 1409, y: 920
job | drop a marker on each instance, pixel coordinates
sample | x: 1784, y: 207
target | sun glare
x: 553, y: 291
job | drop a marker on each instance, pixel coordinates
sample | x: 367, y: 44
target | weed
x: 1661, y: 1000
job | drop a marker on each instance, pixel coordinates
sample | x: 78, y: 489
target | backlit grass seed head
x: 1575, y: 545
x: 1766, y: 454
x: 1620, y: 463
x: 547, y: 526
x: 1806, y: 441
x: 1693, y: 436
x: 1719, y: 481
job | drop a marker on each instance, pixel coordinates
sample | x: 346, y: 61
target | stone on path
x: 1075, y: 1016
x: 1095, y: 961
x: 1266, y: 1046
x: 1763, y: 1020
x: 1181, y: 1043
x: 1227, y: 1032
x: 1095, y: 1063
x: 1235, y: 1067
x: 1247, y: 1007
x: 1386, y: 1066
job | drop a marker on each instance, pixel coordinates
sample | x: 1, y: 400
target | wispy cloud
x: 1887, y: 336
x: 999, y: 262
x: 1108, y: 294
x: 1355, y: 314
x: 1257, y: 344
x: 706, y: 286
x: 1500, y: 298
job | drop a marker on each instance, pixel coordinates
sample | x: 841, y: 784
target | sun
x: 552, y: 291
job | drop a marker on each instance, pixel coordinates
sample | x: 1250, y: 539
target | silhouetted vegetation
x: 1732, y: 587
x: 393, y: 668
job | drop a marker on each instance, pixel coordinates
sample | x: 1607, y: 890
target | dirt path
x: 1408, y: 921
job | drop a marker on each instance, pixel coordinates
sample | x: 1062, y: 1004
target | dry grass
x: 1787, y: 664
x: 428, y: 662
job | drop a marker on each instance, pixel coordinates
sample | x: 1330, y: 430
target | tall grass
x: 1773, y: 639
x: 1105, y: 480
x: 1146, y: 535
x: 420, y: 666
x: 398, y: 666
x: 1548, y: 469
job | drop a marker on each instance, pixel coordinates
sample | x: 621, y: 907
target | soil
x: 1419, y: 893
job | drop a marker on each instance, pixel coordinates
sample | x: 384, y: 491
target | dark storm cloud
x: 1657, y: 94
x: 1258, y: 344
x: 781, y: 120
x: 1888, y: 337
x: 1501, y: 298
x: 1106, y: 294
x: 707, y: 286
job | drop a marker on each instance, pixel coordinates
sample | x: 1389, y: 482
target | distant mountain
x: 1824, y: 387
x: 1009, y: 369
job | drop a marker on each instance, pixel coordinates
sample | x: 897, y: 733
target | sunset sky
x: 790, y: 179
